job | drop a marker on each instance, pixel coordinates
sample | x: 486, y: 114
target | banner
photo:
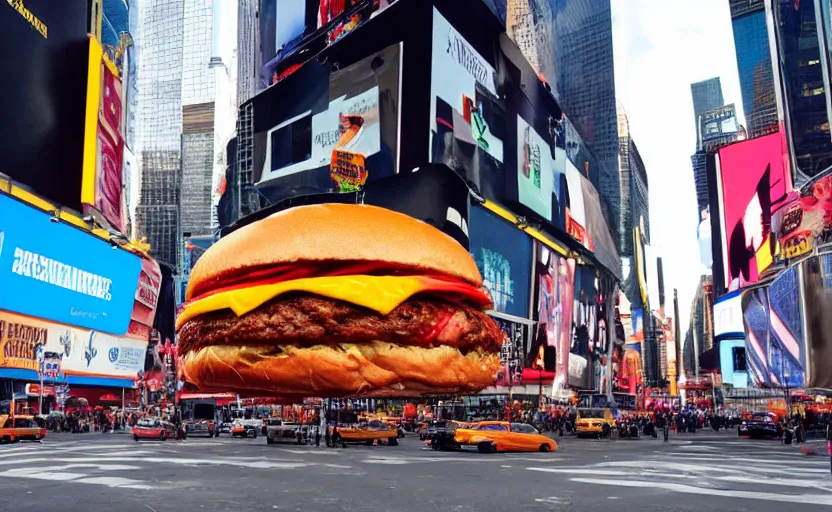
x: 340, y: 130
x: 504, y: 257
x: 555, y: 304
x: 806, y: 223
x: 147, y: 297
x: 102, y: 185
x: 755, y: 183
x: 728, y: 316
x: 536, y: 169
x: 82, y: 351
x: 61, y: 273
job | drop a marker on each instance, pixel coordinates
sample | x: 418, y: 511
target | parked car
x: 279, y: 431
x: 502, y: 436
x: 154, y: 428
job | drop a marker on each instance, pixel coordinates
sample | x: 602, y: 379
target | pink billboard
x: 755, y: 183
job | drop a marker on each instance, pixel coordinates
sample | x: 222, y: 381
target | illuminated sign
x: 28, y: 16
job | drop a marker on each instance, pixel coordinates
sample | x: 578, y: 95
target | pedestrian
x: 829, y: 443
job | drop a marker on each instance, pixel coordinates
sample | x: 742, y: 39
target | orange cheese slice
x: 382, y: 294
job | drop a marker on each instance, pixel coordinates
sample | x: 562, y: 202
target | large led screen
x: 754, y: 184
x: 786, y: 325
x: 339, y: 131
x: 755, y: 313
x: 504, y: 256
x: 536, y: 169
x: 467, y: 123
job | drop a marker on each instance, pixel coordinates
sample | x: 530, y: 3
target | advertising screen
x: 732, y: 362
x: 535, y: 170
x: 52, y: 270
x: 755, y: 313
x: 147, y: 298
x: 467, y: 123
x: 807, y: 222
x: 340, y: 131
x: 43, y: 76
x: 104, y: 140
x: 754, y: 184
x: 728, y: 316
x: 787, y: 355
x: 503, y: 254
x: 82, y: 351
x: 555, y: 305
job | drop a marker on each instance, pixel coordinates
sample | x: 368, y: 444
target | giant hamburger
x: 337, y: 300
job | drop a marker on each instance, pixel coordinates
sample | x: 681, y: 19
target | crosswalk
x: 773, y: 474
x: 125, y: 465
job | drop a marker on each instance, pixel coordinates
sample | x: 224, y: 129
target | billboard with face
x: 754, y: 184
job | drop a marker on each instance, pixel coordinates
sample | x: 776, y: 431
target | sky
x: 661, y: 47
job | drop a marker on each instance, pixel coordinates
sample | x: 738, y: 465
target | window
x: 292, y: 144
x: 496, y: 427
x: 22, y: 423
x: 523, y: 428
x: 739, y: 359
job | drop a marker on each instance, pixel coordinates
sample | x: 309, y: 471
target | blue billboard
x: 54, y: 271
x: 504, y: 256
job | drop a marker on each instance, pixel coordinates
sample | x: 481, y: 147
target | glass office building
x: 804, y: 87
x: 748, y: 19
x: 707, y: 96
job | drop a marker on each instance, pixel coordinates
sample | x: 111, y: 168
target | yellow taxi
x: 502, y: 436
x: 590, y: 421
x: 15, y: 428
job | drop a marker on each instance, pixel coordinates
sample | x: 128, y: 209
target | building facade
x: 751, y: 42
x: 635, y: 202
x: 707, y: 95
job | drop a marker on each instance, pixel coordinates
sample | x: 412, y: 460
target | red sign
x: 575, y: 230
x: 147, y: 297
x: 34, y: 390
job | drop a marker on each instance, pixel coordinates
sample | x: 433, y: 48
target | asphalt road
x: 705, y: 471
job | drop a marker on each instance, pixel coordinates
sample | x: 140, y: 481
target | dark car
x: 760, y: 424
x: 440, y: 435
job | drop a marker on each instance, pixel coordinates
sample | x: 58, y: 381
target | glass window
x: 494, y: 427
x: 523, y: 428
x: 591, y: 413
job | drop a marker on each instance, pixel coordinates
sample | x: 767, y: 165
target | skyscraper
x: 748, y: 19
x: 584, y: 84
x: 175, y: 123
x: 803, y: 87
x: 529, y: 24
x: 635, y: 203
x: 707, y: 95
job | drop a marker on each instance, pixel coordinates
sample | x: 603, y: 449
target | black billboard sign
x: 43, y: 76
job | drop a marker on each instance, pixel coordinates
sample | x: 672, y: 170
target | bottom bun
x: 367, y: 369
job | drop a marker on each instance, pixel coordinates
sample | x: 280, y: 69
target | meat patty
x: 306, y: 320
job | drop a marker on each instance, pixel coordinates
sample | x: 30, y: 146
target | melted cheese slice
x: 382, y: 294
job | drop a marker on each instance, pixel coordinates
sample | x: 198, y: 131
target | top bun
x: 335, y: 232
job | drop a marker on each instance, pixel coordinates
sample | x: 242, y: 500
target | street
x: 705, y: 471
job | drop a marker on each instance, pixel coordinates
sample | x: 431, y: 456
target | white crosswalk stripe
x: 127, y: 464
x: 778, y: 475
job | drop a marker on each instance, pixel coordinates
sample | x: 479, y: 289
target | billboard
x: 555, y: 304
x: 147, y: 297
x: 754, y: 184
x: 467, y: 120
x: 536, y: 172
x: 82, y: 351
x: 102, y: 186
x: 61, y: 273
x: 43, y: 76
x: 504, y: 256
x: 787, y: 348
x: 340, y: 131
x: 755, y: 314
x: 732, y: 362
x: 806, y: 222
x: 728, y: 316
x: 817, y: 292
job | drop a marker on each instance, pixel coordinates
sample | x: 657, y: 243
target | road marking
x: 811, y: 499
